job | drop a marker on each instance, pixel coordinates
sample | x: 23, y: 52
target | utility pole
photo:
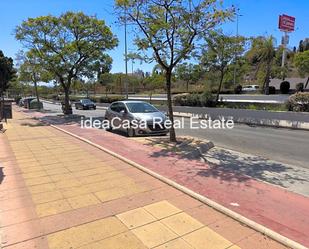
x: 126, y: 52
x: 237, y: 34
x: 284, y: 45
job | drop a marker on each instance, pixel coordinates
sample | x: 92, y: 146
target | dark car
x: 85, y: 104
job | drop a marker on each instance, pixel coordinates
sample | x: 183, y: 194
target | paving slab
x: 126, y: 209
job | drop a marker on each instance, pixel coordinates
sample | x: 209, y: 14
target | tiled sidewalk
x: 58, y: 192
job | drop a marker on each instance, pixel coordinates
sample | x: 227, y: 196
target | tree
x: 30, y: 70
x: 169, y: 29
x: 262, y: 54
x: 301, y: 61
x: 220, y: 52
x: 189, y: 73
x: 7, y: 73
x: 66, y: 45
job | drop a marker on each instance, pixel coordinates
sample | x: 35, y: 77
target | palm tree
x: 262, y: 54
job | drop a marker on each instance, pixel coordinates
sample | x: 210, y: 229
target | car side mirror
x: 123, y: 112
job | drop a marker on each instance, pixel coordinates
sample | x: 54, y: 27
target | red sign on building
x: 286, y: 23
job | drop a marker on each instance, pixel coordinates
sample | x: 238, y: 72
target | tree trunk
x: 266, y: 81
x: 306, y: 83
x: 220, y: 85
x: 67, y: 107
x: 37, y: 93
x: 1, y: 105
x: 168, y: 75
x: 187, y: 86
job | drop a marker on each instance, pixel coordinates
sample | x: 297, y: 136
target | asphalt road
x: 279, y: 144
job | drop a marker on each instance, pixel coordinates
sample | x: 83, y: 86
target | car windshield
x: 86, y: 100
x: 141, y: 108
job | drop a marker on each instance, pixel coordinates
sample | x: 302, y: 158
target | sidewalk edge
x: 254, y: 225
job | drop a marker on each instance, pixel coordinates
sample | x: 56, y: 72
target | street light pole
x: 237, y: 34
x: 126, y: 52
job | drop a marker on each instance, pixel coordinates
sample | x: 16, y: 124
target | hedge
x: 298, y: 102
x: 206, y: 99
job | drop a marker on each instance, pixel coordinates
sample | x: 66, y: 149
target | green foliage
x: 301, y: 61
x: 299, y: 87
x: 285, y: 87
x: 110, y: 99
x: 189, y: 73
x: 205, y: 99
x: 67, y: 46
x: 261, y: 55
x: 220, y: 52
x: 298, y: 102
x: 169, y: 29
x: 7, y: 72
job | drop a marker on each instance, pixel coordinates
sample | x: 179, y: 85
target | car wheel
x: 130, y: 132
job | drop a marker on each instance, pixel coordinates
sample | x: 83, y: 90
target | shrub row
x: 298, y: 102
x: 206, y: 99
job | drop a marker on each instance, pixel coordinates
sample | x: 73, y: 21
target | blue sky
x: 260, y: 17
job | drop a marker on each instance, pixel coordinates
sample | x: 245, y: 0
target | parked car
x: 250, y: 88
x: 137, y: 111
x: 85, y: 104
x: 27, y: 102
x: 21, y: 102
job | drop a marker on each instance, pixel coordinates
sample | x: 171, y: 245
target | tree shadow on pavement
x: 226, y: 164
x: 1, y: 175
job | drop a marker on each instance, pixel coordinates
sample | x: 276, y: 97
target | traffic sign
x: 286, y: 23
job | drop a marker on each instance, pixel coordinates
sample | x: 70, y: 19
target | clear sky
x: 259, y: 17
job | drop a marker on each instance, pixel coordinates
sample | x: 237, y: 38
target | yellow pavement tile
x: 67, y: 183
x: 162, y: 209
x: 54, y: 207
x: 85, y: 234
x: 206, y: 237
x: 90, y: 179
x: 55, y: 171
x: 38, y: 180
x: 39, y: 173
x: 182, y: 223
x: 154, y: 234
x: 62, y: 177
x: 42, y: 188
x: 75, y: 191
x: 110, y: 194
x: 83, y: 201
x: 46, y: 197
x: 125, y: 240
x: 136, y: 217
x: 176, y: 244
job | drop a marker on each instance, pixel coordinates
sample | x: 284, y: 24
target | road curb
x: 254, y: 225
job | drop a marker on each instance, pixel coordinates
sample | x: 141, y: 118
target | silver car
x: 151, y: 120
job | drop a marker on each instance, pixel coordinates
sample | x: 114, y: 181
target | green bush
x: 298, y: 102
x: 299, y: 87
x: 272, y: 90
x: 206, y: 99
x: 285, y: 87
x: 110, y: 99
